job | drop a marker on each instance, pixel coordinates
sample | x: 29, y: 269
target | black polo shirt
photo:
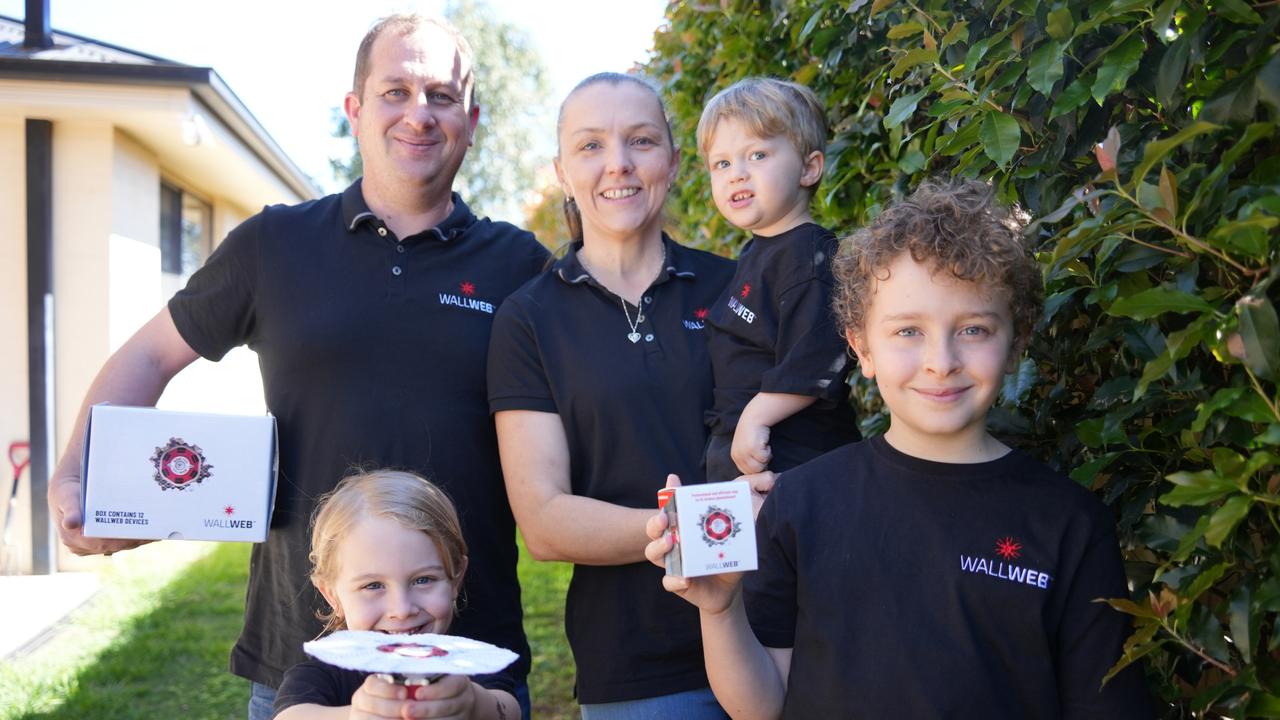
x: 774, y: 331
x: 632, y: 413
x: 372, y: 351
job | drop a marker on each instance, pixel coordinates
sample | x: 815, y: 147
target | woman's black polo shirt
x: 632, y: 413
x: 372, y: 351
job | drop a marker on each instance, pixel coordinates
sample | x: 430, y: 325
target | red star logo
x: 746, y: 290
x: 720, y: 556
x: 1008, y: 548
x: 468, y: 288
x: 228, y: 510
x: 700, y: 313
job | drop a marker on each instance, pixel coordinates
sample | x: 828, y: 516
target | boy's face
x: 760, y: 184
x: 938, y: 348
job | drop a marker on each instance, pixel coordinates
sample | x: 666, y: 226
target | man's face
x: 413, y: 124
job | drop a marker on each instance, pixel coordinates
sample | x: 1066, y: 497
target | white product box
x: 154, y: 474
x: 713, y: 528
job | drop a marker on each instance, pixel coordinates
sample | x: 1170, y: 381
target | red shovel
x: 19, y: 458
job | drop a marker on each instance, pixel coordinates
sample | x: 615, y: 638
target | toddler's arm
x: 750, y: 449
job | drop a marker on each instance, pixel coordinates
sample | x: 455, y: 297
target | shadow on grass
x: 172, y: 661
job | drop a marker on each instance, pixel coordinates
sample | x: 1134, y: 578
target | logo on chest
x: 699, y: 320
x: 742, y: 311
x: 465, y: 298
x: 1008, y: 549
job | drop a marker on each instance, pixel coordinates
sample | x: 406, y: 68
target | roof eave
x: 204, y: 82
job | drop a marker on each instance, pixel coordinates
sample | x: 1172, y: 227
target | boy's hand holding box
x: 712, y: 528
x: 153, y: 474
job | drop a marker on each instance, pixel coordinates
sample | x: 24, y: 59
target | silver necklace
x: 634, y: 335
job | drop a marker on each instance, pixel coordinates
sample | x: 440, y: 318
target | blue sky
x: 290, y: 61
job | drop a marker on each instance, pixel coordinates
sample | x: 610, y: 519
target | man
x: 370, y: 312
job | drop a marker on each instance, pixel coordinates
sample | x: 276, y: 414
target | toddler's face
x: 391, y: 579
x: 938, y: 348
x: 759, y: 184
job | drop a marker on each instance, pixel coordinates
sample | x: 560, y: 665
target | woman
x: 598, y: 378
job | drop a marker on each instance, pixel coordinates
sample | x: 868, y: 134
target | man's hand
x: 750, y: 450
x: 64, y: 508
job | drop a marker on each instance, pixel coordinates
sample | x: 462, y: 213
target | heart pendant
x: 633, y: 337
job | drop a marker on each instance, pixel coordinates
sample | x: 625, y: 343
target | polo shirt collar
x: 356, y: 212
x: 569, y: 269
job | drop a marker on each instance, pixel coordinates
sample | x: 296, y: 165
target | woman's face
x: 616, y: 160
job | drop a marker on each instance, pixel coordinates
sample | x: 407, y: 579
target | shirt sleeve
x: 769, y: 593
x: 811, y: 357
x: 1091, y: 636
x: 517, y: 378
x: 315, y: 683
x: 215, y: 312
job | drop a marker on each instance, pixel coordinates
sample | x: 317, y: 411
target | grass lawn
x: 154, y: 642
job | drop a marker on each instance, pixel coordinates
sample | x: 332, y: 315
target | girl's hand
x: 452, y: 696
x: 377, y: 698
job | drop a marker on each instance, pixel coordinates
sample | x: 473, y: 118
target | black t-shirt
x: 632, y: 412
x: 372, y: 351
x: 316, y: 683
x: 773, y: 331
x: 917, y: 589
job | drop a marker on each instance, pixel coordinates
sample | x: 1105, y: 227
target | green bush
x: 1142, y: 137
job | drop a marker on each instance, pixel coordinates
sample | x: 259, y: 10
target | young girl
x: 387, y: 554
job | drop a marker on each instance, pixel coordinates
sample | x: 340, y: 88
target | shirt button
x: 648, y: 299
x: 399, y: 248
x: 382, y: 232
x: 648, y: 338
x: 395, y: 270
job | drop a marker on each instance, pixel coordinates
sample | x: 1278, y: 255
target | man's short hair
x: 404, y: 24
x: 769, y: 108
x: 957, y: 227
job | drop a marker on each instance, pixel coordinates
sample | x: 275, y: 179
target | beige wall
x: 13, y: 322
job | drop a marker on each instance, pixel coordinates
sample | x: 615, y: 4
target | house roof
x: 74, y: 58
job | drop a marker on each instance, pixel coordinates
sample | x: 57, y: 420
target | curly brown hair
x: 953, y: 225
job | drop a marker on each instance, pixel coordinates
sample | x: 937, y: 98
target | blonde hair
x: 404, y: 24
x: 409, y: 499
x: 769, y: 108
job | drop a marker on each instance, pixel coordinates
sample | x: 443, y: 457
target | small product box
x: 712, y: 526
x: 154, y: 474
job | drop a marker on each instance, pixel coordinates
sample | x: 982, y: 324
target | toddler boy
x: 779, y: 364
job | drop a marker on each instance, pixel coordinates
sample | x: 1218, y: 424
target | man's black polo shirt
x: 372, y: 352
x: 632, y: 412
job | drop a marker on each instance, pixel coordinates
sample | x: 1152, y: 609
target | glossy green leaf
x: 902, y: 108
x: 1060, y: 24
x: 1204, y: 581
x: 1156, y: 150
x: 1221, y: 399
x: 1117, y: 67
x: 1239, y: 620
x: 1260, y: 333
x: 1237, y: 11
x: 1226, y: 518
x: 1045, y: 68
x: 1000, y: 136
x: 1075, y: 95
x: 913, y: 58
x: 906, y: 29
x: 1196, y: 488
x: 1172, y: 67
x: 1157, y: 301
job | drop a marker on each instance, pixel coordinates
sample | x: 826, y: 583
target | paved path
x: 31, y: 606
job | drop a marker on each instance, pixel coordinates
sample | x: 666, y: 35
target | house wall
x: 13, y: 323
